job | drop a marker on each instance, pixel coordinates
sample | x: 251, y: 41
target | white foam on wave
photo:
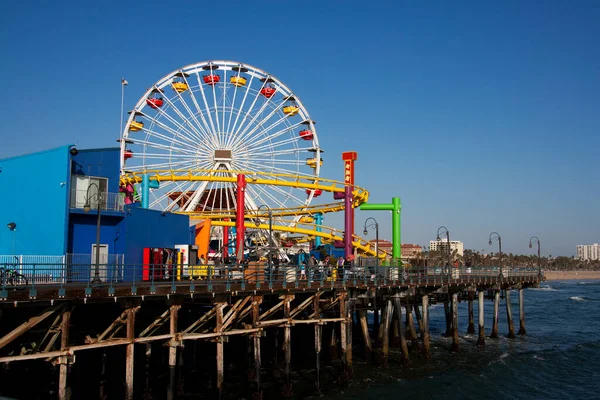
x: 577, y: 298
x: 535, y: 357
x: 546, y: 288
x: 587, y: 283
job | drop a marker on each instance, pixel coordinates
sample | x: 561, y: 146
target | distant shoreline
x: 571, y: 275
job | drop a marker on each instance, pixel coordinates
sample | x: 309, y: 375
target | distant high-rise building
x: 442, y: 245
x: 587, y: 252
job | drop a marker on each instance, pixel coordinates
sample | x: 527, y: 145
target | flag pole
x: 123, y: 84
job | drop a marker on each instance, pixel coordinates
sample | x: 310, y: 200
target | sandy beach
x: 571, y: 275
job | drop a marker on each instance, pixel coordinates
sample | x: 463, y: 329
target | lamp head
x: 73, y: 151
x: 12, y: 226
x: 87, y: 207
x: 438, y: 237
x: 365, y: 231
x: 490, y: 242
x: 529, y: 244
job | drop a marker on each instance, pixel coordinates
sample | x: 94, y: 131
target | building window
x: 79, y: 190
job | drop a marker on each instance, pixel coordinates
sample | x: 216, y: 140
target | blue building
x: 49, y: 210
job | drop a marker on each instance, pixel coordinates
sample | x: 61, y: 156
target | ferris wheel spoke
x: 183, y: 147
x: 257, y: 95
x: 170, y: 165
x: 274, y: 135
x: 241, y: 109
x: 214, y: 93
x: 172, y: 106
x: 273, y: 147
x: 176, y: 134
x: 184, y: 188
x: 241, y: 132
x: 193, y: 201
x: 248, y: 132
x: 210, y: 137
x: 231, y: 112
x: 203, y: 132
x: 207, y: 108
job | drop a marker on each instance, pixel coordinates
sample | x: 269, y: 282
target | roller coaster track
x: 360, y: 196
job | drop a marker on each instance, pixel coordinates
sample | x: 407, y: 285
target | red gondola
x: 306, y: 134
x: 318, y: 192
x: 127, y: 154
x: 155, y: 102
x: 268, y: 91
x: 211, y: 79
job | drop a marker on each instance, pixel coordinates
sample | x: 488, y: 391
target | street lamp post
x: 538, y: 252
x: 376, y: 225
x: 86, y: 208
x: 270, y: 213
x: 446, y: 232
x: 499, y: 239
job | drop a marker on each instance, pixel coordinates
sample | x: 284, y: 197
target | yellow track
x: 288, y: 180
x: 360, y: 244
x: 360, y: 196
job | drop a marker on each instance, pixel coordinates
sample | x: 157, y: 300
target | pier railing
x: 77, y: 272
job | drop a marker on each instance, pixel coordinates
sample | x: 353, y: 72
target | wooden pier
x: 58, y: 325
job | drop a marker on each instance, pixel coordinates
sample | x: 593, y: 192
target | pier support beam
x: 63, y: 389
x: 220, y: 353
x: 509, y: 317
x: 471, y: 328
x: 403, y: 345
x: 418, y: 315
x: 348, y: 316
x: 495, y: 321
x: 256, y: 301
x: 318, y: 341
x: 410, y: 323
x: 480, y: 310
x: 148, y: 372
x: 343, y: 331
x: 425, y: 326
x: 129, y: 355
x: 522, y: 330
x: 362, y: 318
x: 385, y: 339
x: 287, y: 345
x: 454, y: 347
x: 172, y: 388
x: 448, y: 315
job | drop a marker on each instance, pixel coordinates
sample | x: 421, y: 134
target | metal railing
x: 80, y: 271
x: 109, y: 201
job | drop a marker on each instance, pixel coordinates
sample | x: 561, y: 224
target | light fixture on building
x: 12, y: 226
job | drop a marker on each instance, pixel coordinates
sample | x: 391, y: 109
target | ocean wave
x: 546, y: 288
x: 588, y: 283
x: 577, y: 298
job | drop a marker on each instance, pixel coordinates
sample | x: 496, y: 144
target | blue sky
x: 481, y: 116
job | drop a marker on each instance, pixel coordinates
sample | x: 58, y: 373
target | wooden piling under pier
x: 240, y: 314
x: 471, y: 327
x: 509, y: 317
x: 522, y: 330
x: 481, y: 311
x: 494, y: 333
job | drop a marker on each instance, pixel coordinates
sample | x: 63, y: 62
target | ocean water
x: 559, y: 358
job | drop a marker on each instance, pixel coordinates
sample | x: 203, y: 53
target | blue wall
x: 34, y: 192
x: 151, y: 228
x: 101, y: 163
x: 82, y: 232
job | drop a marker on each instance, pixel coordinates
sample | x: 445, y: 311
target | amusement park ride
x: 234, y: 148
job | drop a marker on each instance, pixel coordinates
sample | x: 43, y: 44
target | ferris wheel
x: 217, y: 118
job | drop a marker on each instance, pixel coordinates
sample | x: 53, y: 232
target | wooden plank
x: 27, y: 325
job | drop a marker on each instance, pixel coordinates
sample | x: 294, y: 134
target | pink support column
x: 225, y: 248
x: 239, y: 217
x: 348, y: 228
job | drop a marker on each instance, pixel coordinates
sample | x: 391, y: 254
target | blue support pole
x: 145, y: 191
x: 318, y: 223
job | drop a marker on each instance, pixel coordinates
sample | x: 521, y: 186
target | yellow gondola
x: 180, y: 87
x: 312, y: 162
x: 307, y: 220
x: 238, y: 81
x: 291, y: 110
x: 136, y: 126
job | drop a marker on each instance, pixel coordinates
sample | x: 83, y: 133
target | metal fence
x: 108, y: 201
x: 80, y: 270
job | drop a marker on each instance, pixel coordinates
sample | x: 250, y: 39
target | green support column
x: 395, y: 207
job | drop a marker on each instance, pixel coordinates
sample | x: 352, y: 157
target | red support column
x: 239, y: 217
